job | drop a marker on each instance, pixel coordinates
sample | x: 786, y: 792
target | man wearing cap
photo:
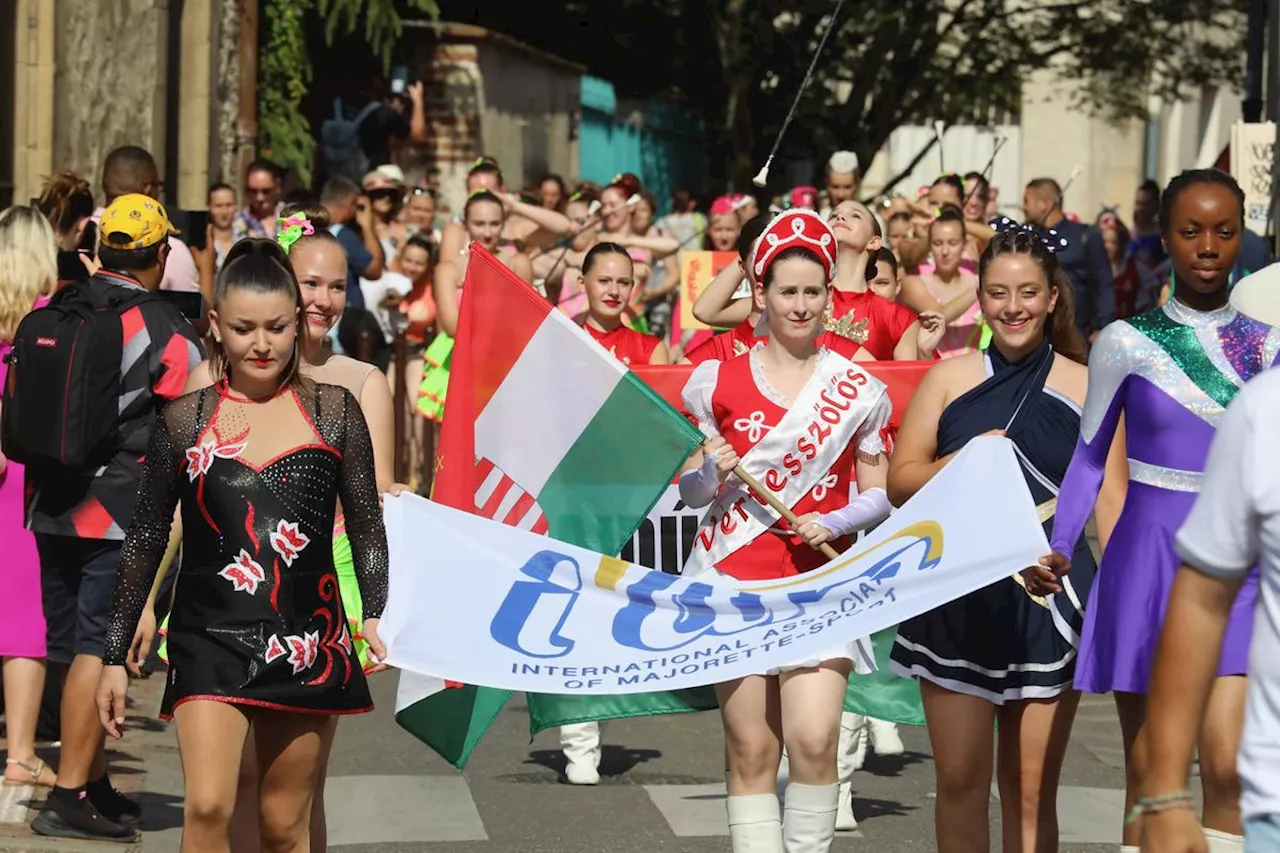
x: 131, y: 169
x: 842, y: 181
x: 79, y: 518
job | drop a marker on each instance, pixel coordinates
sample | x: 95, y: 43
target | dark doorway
x: 8, y: 59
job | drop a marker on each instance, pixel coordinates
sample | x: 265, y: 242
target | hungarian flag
x: 546, y: 431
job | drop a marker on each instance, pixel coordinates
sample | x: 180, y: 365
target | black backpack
x: 62, y: 393
x: 340, y: 142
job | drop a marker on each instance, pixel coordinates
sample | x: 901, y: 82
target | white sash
x: 791, y: 459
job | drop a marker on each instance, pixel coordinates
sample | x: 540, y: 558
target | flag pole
x: 768, y: 497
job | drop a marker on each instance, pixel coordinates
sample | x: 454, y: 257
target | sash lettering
x: 789, y: 460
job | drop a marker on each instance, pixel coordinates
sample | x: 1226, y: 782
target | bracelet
x: 1164, y: 802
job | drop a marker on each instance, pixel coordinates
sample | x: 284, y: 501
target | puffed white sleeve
x: 697, y: 396
x: 871, y: 436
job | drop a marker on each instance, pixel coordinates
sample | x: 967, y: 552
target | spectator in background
x: 129, y: 170
x: 262, y: 202
x: 80, y: 519
x: 420, y: 214
x: 842, y: 181
x: 222, y: 218
x: 385, y: 188
x: 552, y: 193
x: 1083, y: 258
x: 383, y: 123
x: 1145, y: 245
x: 28, y: 276
x: 353, y: 225
x: 1136, y: 287
x: 67, y: 202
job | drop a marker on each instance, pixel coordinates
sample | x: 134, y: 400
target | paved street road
x: 662, y: 790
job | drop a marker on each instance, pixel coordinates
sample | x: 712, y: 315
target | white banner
x: 482, y: 603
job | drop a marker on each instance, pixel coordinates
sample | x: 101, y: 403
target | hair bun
x: 316, y: 214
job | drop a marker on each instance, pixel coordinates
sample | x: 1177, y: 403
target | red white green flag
x: 545, y: 431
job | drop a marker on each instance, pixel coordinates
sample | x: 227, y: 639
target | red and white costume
x: 802, y: 450
x: 626, y: 345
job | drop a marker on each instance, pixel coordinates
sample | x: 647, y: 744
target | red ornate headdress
x: 797, y: 228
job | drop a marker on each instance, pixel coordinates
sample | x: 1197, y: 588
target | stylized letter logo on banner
x: 533, y: 613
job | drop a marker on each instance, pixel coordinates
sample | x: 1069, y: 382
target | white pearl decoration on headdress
x: 802, y: 220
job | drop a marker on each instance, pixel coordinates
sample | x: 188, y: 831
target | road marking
x: 401, y: 809
x: 13, y: 803
x: 1087, y: 815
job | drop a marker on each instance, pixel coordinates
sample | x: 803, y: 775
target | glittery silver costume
x: 1171, y: 372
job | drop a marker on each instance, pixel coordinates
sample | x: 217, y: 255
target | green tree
x: 284, y: 64
x: 889, y: 63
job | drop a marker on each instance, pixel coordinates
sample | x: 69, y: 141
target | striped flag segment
x: 545, y: 431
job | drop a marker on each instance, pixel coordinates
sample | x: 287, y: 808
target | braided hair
x: 1190, y: 178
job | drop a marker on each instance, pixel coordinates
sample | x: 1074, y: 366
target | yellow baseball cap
x: 134, y: 221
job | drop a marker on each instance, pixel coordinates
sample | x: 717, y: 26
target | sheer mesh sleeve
x: 358, y: 491
x: 148, y: 535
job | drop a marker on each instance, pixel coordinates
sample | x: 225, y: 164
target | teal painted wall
x: 664, y: 149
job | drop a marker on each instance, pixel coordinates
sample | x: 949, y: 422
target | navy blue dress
x: 1001, y: 643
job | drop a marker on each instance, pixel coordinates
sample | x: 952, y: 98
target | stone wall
x: 110, y: 81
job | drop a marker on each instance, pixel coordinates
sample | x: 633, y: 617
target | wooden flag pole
x: 768, y: 497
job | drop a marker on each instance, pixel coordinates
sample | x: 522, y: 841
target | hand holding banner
x: 493, y: 605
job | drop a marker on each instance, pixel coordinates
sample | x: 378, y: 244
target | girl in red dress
x: 608, y: 279
x: 757, y: 409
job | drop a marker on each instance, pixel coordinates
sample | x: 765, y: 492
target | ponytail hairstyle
x: 1060, y: 329
x: 65, y: 200
x: 259, y: 266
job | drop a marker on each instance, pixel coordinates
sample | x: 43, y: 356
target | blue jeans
x: 1262, y: 834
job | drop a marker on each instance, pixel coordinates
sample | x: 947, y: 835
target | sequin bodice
x: 259, y: 482
x: 1171, y: 372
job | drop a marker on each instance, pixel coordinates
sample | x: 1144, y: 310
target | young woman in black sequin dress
x: 257, y: 632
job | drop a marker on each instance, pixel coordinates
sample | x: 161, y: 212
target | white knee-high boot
x: 581, y: 745
x: 809, y: 819
x: 1223, y: 842
x: 850, y: 753
x: 754, y: 824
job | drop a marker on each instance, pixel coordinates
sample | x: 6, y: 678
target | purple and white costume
x: 1171, y: 372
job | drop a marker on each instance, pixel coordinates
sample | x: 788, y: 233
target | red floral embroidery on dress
x: 200, y: 457
x: 288, y: 540
x: 274, y: 649
x: 303, y: 650
x: 344, y: 640
x: 244, y: 573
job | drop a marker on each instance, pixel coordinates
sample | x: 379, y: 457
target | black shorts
x: 78, y: 578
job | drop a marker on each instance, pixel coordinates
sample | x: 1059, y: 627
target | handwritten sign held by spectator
x: 1252, y: 159
x: 696, y: 271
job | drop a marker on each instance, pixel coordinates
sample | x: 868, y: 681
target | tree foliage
x: 285, y: 65
x: 889, y: 63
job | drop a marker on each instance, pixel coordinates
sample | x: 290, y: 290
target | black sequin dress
x: 257, y: 619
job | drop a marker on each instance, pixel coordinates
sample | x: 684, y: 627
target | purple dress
x: 1171, y: 372
x: 22, y: 628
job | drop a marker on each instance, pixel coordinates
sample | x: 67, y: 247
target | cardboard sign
x: 696, y: 271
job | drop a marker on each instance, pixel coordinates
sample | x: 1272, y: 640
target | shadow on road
x: 160, y: 811
x: 614, y: 760
x: 868, y: 809
x: 892, y: 765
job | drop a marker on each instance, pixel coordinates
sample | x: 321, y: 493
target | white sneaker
x: 845, y: 821
x: 581, y: 774
x: 884, y: 738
